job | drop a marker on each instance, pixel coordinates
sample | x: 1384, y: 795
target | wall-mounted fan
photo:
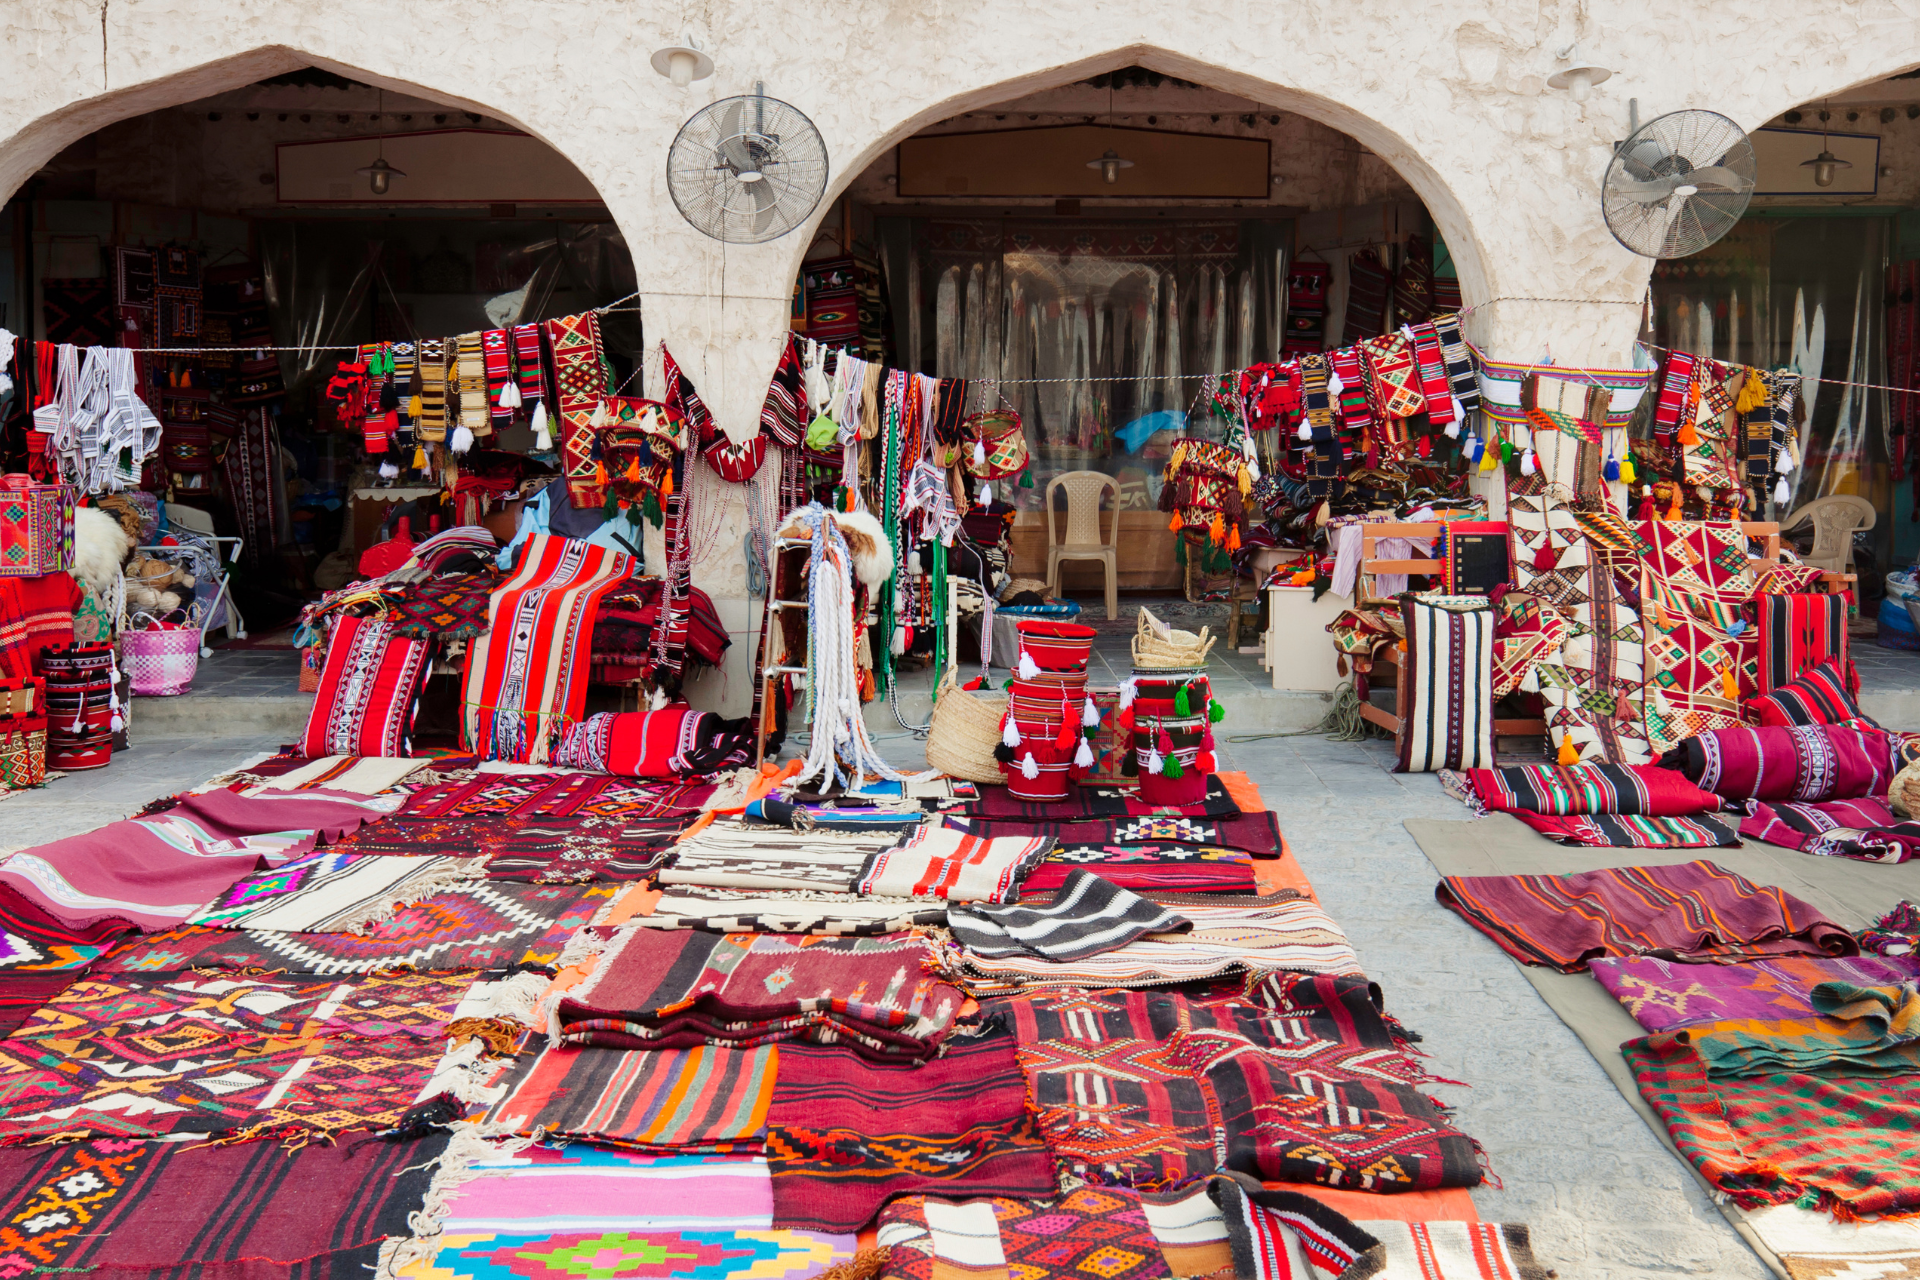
x: 1678, y: 183
x: 747, y: 169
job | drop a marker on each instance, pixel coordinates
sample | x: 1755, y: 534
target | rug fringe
x: 471, y: 1143
x: 458, y: 872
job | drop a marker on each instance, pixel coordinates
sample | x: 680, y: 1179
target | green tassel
x: 650, y: 508
x: 1215, y: 712
x: 1506, y: 451
x: 1026, y: 479
x: 1181, y: 706
x: 1171, y: 770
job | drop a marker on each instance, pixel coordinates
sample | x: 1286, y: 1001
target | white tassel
x: 542, y: 439
x: 659, y: 700
x: 1334, y: 385
x: 601, y: 418
x: 1011, y: 734
x: 979, y: 454
x: 1029, y: 768
x: 388, y: 471
x: 1154, y: 763
x: 1782, y: 463
x: 462, y: 439
x: 1083, y: 758
x: 1127, y: 691
x: 986, y: 495
x: 1029, y: 669
x: 1527, y: 464
x: 899, y: 641
x: 913, y: 563
x: 1090, y: 714
x: 1305, y: 432
x: 510, y: 395
x: 1459, y: 410
x: 1781, y: 493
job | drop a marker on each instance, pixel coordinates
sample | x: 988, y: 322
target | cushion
x: 672, y: 741
x: 1788, y: 762
x: 1561, y: 790
x: 1799, y: 631
x: 1449, y: 661
x: 1820, y: 695
x: 369, y: 691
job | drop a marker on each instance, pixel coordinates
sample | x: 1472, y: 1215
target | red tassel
x: 1545, y: 558
x: 1204, y: 762
x: 1124, y: 720
x: 1064, y: 739
x: 1646, y: 508
x: 1425, y: 447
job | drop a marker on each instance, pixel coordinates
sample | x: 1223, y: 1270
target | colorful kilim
x: 1449, y: 679
x: 1669, y: 995
x: 248, y: 1209
x: 449, y: 608
x: 526, y: 678
x: 368, y: 691
x: 33, y: 941
x: 698, y: 1099
x: 1772, y: 1139
x: 1393, y: 375
x: 1819, y: 695
x: 1099, y: 802
x: 489, y: 925
x: 251, y: 466
x: 953, y: 863
x: 844, y: 1135
x: 1695, y: 581
x: 331, y: 892
x: 633, y: 1253
x: 200, y: 1054
x: 1630, y: 831
x: 1592, y: 687
x: 1696, y: 909
x: 430, y: 425
x: 581, y: 376
x: 1527, y: 631
x: 497, y: 350
x: 1588, y: 788
x: 1148, y: 868
x: 1091, y: 1233
x: 1798, y: 762
x: 470, y: 384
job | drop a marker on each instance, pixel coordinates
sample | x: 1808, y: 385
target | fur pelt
x: 866, y: 542
x: 100, y: 544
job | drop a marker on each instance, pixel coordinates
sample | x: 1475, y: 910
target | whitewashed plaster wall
x: 1454, y: 99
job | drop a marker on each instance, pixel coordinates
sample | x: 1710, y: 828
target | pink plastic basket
x: 161, y: 664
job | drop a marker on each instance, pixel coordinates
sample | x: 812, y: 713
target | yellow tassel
x: 1626, y: 470
x: 1246, y: 483
x: 1491, y: 458
x: 415, y: 409
x: 1179, y: 456
x: 1569, y: 754
x: 1176, y: 524
x: 419, y: 458
x: 1753, y: 393
x: 1729, y: 685
x: 1688, y: 436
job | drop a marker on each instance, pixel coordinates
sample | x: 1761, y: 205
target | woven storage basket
x: 23, y: 752
x: 964, y: 732
x: 162, y: 663
x: 1156, y: 646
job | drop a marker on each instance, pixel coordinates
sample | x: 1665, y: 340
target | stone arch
x: 45, y: 136
x: 1781, y: 96
x: 1448, y: 211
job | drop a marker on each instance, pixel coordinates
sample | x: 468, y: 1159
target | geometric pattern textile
x: 1696, y: 581
x: 1592, y: 686
x: 1669, y: 995
x: 1797, y: 632
x: 331, y: 892
x: 635, y: 1254
x: 843, y: 1135
x: 698, y: 1099
x: 1093, y: 1233
x: 220, y: 1212
x: 581, y: 377
x: 452, y: 608
x: 368, y: 688
x: 1821, y: 694
x: 484, y: 925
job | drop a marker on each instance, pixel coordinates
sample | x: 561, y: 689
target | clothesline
x: 611, y: 308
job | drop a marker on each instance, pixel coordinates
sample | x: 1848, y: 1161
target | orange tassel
x: 1569, y: 754
x: 1217, y: 531
x: 1176, y: 524
x: 1688, y: 436
x: 666, y: 486
x: 632, y: 472
x: 1233, y: 538
x: 600, y: 473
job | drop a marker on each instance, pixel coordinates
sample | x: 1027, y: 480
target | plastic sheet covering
x: 344, y: 281
x: 1121, y: 312
x: 1807, y: 293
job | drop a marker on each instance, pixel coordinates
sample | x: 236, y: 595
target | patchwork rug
x: 699, y: 1099
x: 156, y: 871
x: 247, y: 1209
x: 843, y: 1135
x: 486, y: 925
x: 1592, y: 685
x: 526, y: 678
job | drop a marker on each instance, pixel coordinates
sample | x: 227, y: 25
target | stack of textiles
x: 1633, y: 806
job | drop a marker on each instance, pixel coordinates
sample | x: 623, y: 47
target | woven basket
x: 1156, y: 646
x: 23, y: 752
x: 162, y: 663
x: 964, y: 732
x: 1903, y: 796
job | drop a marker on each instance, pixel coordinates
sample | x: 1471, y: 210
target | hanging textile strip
x: 250, y: 463
x: 177, y: 294
x: 405, y: 364
x: 1504, y: 399
x: 681, y: 397
x: 1460, y: 371
x: 1552, y: 420
x: 580, y: 376
x: 471, y: 368
x: 1356, y: 411
x: 1676, y: 386
x: 496, y: 354
x: 1393, y: 375
x: 669, y: 639
x: 529, y: 365
x: 1714, y: 397
x: 1431, y: 360
x: 376, y: 428
x: 781, y: 416
x: 950, y: 410
x: 431, y: 427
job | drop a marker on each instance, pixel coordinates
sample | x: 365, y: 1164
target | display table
x: 1299, y: 651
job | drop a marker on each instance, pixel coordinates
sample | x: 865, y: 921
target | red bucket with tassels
x: 1054, y: 646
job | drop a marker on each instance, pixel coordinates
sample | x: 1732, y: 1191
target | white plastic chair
x: 1085, y: 491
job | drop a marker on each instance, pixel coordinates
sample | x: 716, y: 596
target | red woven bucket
x: 1056, y: 646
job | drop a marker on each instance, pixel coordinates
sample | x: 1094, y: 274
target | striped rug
x: 699, y: 1099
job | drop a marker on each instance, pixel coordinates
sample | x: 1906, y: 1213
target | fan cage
x: 745, y: 134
